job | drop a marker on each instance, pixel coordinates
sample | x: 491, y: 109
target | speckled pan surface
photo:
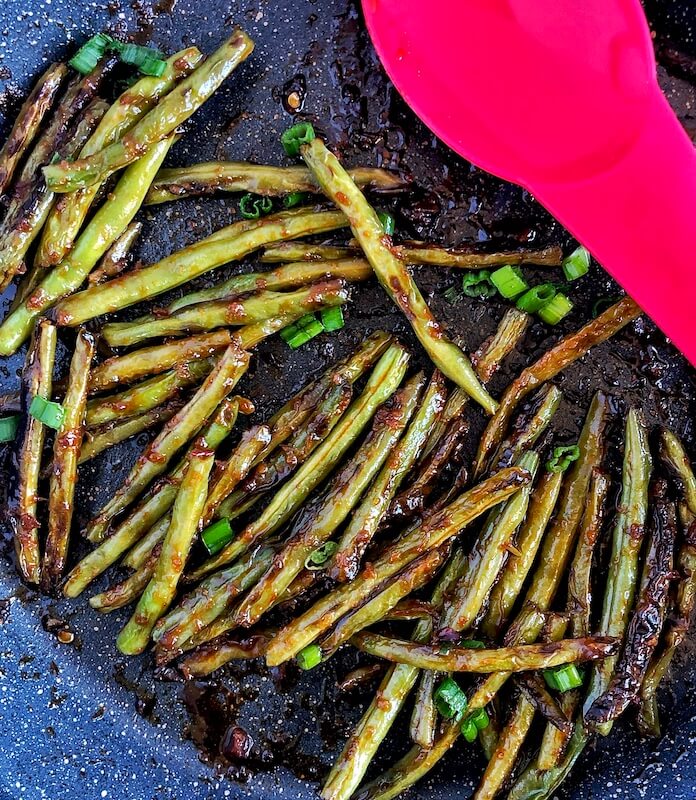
x: 79, y: 721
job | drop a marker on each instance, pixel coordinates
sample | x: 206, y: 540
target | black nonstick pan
x: 80, y: 721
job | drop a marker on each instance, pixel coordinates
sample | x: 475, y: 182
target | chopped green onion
x: 388, y: 222
x: 288, y: 333
x: 536, y: 297
x: 8, y: 428
x: 563, y: 678
x: 147, y: 59
x: 554, y: 311
x: 450, y: 700
x: 509, y: 282
x: 252, y: 206
x: 302, y: 331
x: 299, y: 338
x: 562, y: 457
x: 480, y: 719
x: 318, y: 558
x: 577, y: 264
x: 473, y: 644
x: 309, y: 657
x: 51, y: 414
x: 293, y: 138
x: 332, y: 319
x: 217, y: 535
x: 295, y: 199
x: 478, y: 284
x: 88, y: 56
x: 469, y: 730
x: 452, y: 295
x: 312, y: 328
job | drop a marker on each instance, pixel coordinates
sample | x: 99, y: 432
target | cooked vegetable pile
x: 495, y: 596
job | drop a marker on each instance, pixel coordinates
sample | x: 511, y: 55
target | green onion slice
x: 252, y: 206
x: 452, y: 295
x: 295, y: 199
x: 217, y: 535
x: 293, y: 138
x: 309, y: 657
x: 536, y: 297
x: 576, y: 264
x: 388, y: 222
x: 147, y: 59
x: 478, y: 284
x: 562, y: 457
x: 317, y: 559
x: 332, y: 319
x: 554, y: 311
x: 450, y: 700
x: 563, y: 678
x: 88, y: 56
x: 509, y: 282
x: 469, y: 730
x: 480, y: 719
x: 8, y: 428
x: 49, y: 413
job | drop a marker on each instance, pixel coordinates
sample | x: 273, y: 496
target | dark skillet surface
x: 79, y: 720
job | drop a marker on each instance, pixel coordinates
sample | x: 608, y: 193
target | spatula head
x: 531, y: 90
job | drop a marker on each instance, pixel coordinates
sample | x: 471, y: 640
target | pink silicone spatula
x: 561, y: 96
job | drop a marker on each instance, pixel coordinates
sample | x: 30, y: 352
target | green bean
x: 115, y: 259
x: 153, y: 508
x: 288, y: 276
x: 66, y: 451
x: 148, y: 394
x: 235, y: 469
x: 240, y: 176
x: 359, y: 750
x: 319, y: 523
x: 23, y: 221
x: 424, y: 717
x: 104, y: 228
x: 169, y: 113
x: 542, y: 785
x: 579, y: 586
x: 28, y: 121
x: 385, y: 379
x: 222, y: 313
x: 104, y: 438
x: 367, y: 517
x: 433, y: 532
x: 211, y: 599
x: 629, y: 529
x: 567, y: 351
x: 519, y: 658
x: 645, y: 627
x: 141, y: 550
x: 183, y: 426
x: 128, y: 590
x: 160, y: 592
x: 421, y: 253
x: 37, y: 381
x: 226, y: 245
x: 675, y: 458
x: 68, y: 215
x: 676, y: 629
x: 488, y: 554
x: 552, y: 563
x: 502, y: 762
x: 158, y: 358
x: 287, y: 458
x: 208, y: 659
x: 506, y: 591
x: 391, y: 272
x: 412, y: 577
x: 528, y: 427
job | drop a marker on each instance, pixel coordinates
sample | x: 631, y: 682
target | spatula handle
x: 638, y: 219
